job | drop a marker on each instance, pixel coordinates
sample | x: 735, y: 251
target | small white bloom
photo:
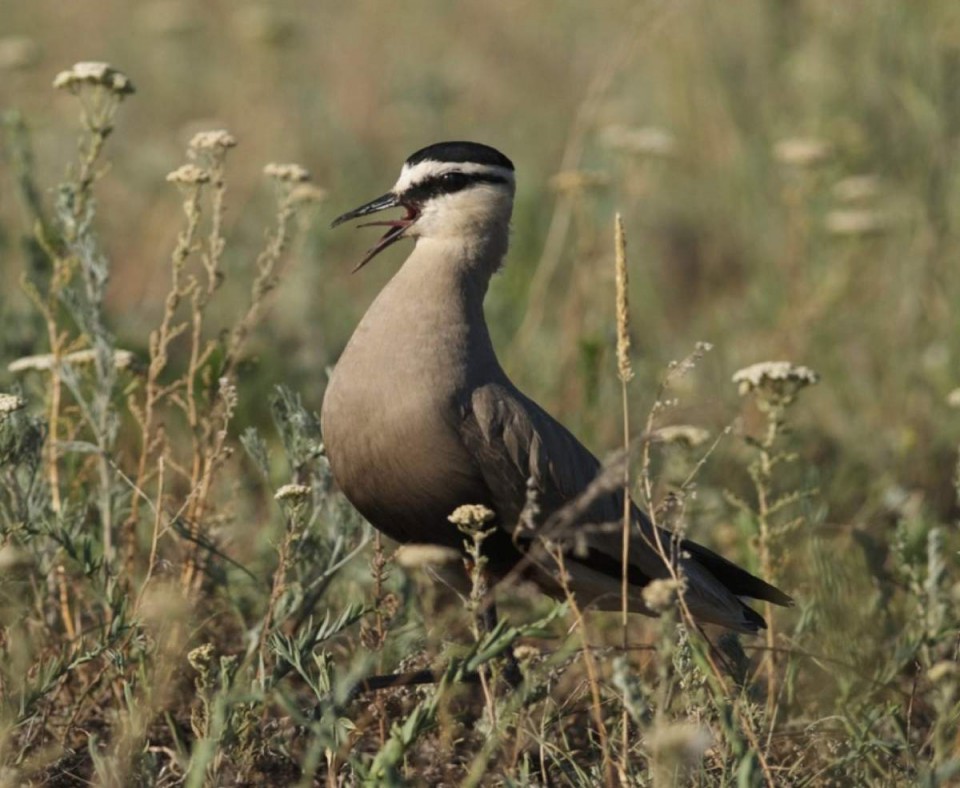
x: 218, y: 139
x: 307, y: 193
x: 94, y: 74
x: 189, y: 175
x: 288, y: 173
x: 9, y: 403
x: 661, y: 595
x: 471, y: 515
x: 679, y: 742
x: 682, y: 435
x: 775, y: 376
x: 801, y: 151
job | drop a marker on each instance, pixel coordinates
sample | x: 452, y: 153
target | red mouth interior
x: 395, y: 233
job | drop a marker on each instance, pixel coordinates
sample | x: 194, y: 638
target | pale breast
x: 390, y: 431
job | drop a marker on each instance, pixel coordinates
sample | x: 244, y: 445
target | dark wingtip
x: 755, y: 622
x: 737, y: 580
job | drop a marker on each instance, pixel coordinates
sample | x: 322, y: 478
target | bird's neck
x: 465, y: 257
x: 448, y: 277
x: 431, y: 313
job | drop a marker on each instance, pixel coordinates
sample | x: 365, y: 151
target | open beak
x: 397, y: 226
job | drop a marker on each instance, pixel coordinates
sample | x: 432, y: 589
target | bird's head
x: 456, y: 191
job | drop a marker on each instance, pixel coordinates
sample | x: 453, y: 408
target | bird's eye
x: 455, y: 179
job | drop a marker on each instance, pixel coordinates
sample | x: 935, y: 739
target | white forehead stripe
x: 425, y: 170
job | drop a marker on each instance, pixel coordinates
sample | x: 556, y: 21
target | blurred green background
x: 786, y: 172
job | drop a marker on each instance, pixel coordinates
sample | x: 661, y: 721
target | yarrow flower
x: 189, y: 175
x: 801, y: 151
x: 774, y: 382
x: 201, y: 657
x: 307, y: 193
x: 218, y: 139
x: 682, y: 435
x: 287, y: 173
x: 94, y: 74
x: 471, y: 515
x: 661, y: 595
x: 10, y: 403
x: 678, y: 744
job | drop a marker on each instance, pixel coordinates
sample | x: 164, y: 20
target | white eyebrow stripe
x: 425, y: 170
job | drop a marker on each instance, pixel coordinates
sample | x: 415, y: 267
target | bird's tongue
x: 397, y: 226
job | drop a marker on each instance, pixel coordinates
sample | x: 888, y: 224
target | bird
x: 420, y: 418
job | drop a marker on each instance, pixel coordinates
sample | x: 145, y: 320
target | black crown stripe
x: 461, y: 152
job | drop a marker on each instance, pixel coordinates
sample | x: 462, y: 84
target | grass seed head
x: 624, y: 368
x: 294, y: 493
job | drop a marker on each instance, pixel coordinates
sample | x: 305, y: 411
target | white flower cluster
x: 94, y: 74
x: 660, y: 595
x: 765, y: 373
x: 9, y: 403
x: 775, y: 383
x: 189, y: 175
x: 288, y: 173
x: 218, y: 139
x: 682, y: 435
x: 471, y: 515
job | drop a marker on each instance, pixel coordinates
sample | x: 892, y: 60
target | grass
x: 184, y: 596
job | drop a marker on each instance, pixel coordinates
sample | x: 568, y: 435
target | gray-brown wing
x: 512, y: 440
